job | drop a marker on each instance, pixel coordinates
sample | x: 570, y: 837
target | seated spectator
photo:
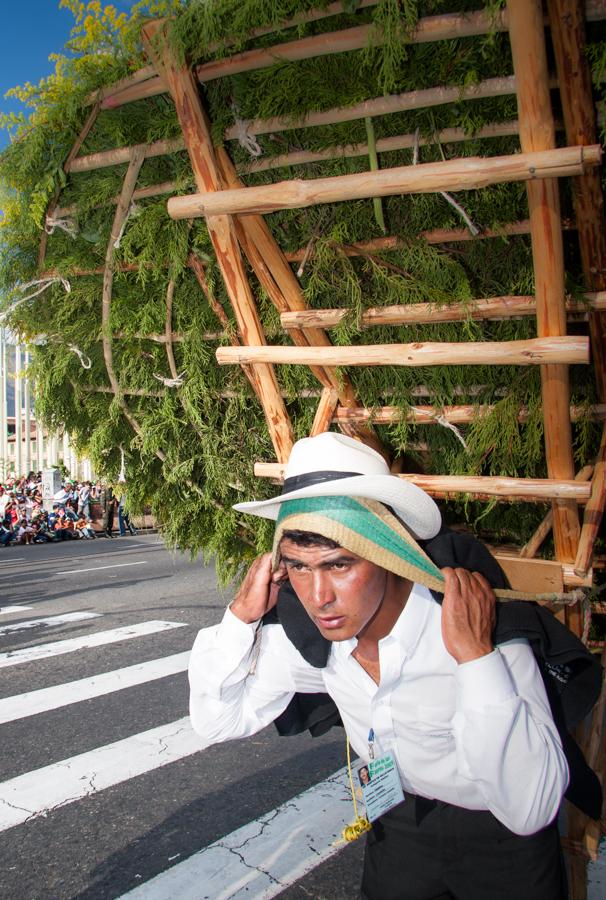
x: 25, y: 532
x: 63, y: 525
x: 83, y: 527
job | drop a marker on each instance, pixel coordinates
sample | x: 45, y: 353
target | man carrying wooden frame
x: 345, y: 606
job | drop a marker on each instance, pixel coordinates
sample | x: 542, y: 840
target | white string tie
x: 84, y: 359
x: 171, y: 382
x: 133, y: 210
x: 462, y: 212
x: 67, y: 225
x: 246, y: 140
x: 448, y: 197
x: 42, y: 284
x: 443, y: 421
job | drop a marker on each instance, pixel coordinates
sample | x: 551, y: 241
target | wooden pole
x: 121, y: 155
x: 536, y: 351
x: 196, y: 133
x: 567, y: 20
x: 325, y: 411
x: 592, y: 520
x: 382, y: 145
x: 435, y: 236
x: 538, y: 489
x: 430, y: 313
x: 381, y: 106
x: 455, y: 415
x: 452, y: 175
x: 537, y: 133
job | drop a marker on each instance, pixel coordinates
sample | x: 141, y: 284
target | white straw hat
x: 331, y: 465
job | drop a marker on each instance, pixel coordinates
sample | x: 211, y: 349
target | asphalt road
x: 87, y: 809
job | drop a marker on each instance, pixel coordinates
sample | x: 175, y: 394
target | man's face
x: 341, y: 592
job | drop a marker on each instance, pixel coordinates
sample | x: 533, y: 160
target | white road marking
x: 63, y: 619
x: 14, y: 559
x: 142, y: 562
x: 56, y: 648
x: 30, y: 704
x: 37, y: 793
x: 4, y: 610
x: 262, y: 858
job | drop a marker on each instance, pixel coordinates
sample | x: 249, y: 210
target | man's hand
x: 468, y: 615
x: 259, y: 591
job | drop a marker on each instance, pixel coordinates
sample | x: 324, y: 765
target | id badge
x: 381, y: 786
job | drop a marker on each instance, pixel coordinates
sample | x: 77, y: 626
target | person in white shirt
x: 466, y: 725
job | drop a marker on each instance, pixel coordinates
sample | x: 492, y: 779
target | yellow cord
x: 361, y: 824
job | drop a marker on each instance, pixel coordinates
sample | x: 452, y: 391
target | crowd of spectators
x: 24, y: 520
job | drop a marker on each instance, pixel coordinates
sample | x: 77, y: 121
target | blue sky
x: 32, y: 30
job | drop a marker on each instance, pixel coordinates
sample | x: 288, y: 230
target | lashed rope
x: 66, y: 225
x: 84, y: 359
x: 246, y: 140
x: 443, y: 421
x: 171, y: 382
x: 448, y: 197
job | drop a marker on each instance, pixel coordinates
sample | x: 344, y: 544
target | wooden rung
x: 325, y: 411
x: 452, y: 175
x: 537, y: 351
x: 532, y: 489
x: 431, y: 313
x: 457, y: 415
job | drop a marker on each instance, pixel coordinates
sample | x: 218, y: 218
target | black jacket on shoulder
x: 572, y: 676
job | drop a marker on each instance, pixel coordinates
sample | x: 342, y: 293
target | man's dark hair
x: 309, y: 539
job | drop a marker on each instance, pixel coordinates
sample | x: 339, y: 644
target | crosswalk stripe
x: 33, y: 702
x: 63, y: 619
x: 141, y: 562
x: 262, y: 858
x: 57, y: 648
x: 37, y: 793
x: 4, y: 610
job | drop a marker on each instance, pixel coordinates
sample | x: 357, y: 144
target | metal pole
x: 18, y: 414
x: 3, y: 407
x: 27, y: 462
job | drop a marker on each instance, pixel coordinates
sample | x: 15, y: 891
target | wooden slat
x: 537, y: 133
x: 452, y: 175
x: 196, y: 133
x: 383, y: 145
x: 429, y: 313
x: 534, y: 489
x: 456, y: 415
x: 537, y: 351
x: 435, y: 236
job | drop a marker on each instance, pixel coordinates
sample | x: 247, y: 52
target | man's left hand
x: 468, y: 615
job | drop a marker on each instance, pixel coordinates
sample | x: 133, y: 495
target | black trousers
x: 430, y: 850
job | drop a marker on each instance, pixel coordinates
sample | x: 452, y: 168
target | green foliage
x: 190, y: 449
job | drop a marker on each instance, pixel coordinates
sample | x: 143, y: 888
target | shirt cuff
x: 236, y: 632
x: 484, y: 681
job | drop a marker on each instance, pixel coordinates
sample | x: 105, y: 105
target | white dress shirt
x: 478, y: 735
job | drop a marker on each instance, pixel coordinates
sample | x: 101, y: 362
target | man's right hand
x: 259, y: 591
